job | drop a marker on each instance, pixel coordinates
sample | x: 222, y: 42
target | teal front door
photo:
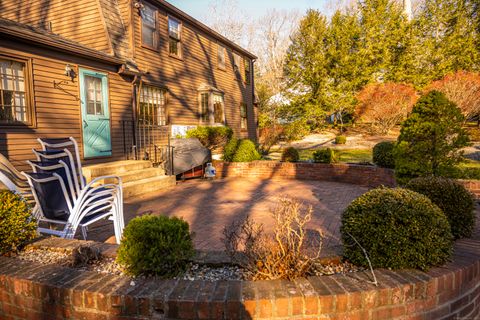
x: 95, y: 114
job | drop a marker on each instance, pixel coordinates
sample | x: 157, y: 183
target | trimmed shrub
x: 246, y: 152
x: 340, y: 140
x: 155, y: 245
x: 230, y: 149
x: 211, y: 137
x: 431, y: 139
x: 456, y: 202
x: 16, y: 223
x: 324, y: 156
x: 398, y: 228
x: 383, y: 154
x: 290, y: 154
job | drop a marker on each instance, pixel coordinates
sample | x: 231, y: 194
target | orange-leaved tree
x: 383, y: 105
x: 462, y: 88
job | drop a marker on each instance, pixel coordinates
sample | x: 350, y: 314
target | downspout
x: 255, y: 116
x: 136, y: 79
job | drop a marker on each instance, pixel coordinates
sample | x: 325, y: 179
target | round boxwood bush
x: 230, y: 149
x: 456, y: 202
x: 155, y: 245
x: 324, y: 156
x: 290, y: 154
x: 246, y: 152
x: 340, y: 139
x: 398, y: 228
x: 383, y: 154
x: 16, y: 223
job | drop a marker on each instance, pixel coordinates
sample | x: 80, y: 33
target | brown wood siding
x: 58, y: 112
x: 79, y: 21
x: 184, y: 76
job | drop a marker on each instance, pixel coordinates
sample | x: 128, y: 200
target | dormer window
x: 175, y: 37
x: 149, y: 27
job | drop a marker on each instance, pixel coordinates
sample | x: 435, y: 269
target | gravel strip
x: 194, y: 271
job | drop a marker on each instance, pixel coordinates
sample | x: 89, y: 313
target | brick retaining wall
x: 33, y: 291
x: 365, y: 175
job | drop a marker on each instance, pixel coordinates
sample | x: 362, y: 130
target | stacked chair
x: 62, y: 196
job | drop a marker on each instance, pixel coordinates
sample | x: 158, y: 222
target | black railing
x: 148, y: 142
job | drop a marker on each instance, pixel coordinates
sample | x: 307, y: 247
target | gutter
x: 71, y: 48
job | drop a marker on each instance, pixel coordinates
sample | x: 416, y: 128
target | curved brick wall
x: 32, y: 291
x: 370, y: 176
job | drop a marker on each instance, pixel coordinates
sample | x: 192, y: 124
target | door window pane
x: 94, y: 101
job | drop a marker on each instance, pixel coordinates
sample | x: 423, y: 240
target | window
x: 94, y: 95
x: 14, y: 100
x: 218, y: 108
x: 247, y: 70
x: 243, y: 116
x: 236, y: 65
x: 149, y: 27
x: 204, y: 114
x: 175, y: 35
x: 152, y: 110
x: 221, y: 57
x: 212, y: 108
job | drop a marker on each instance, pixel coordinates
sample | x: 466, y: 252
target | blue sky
x: 255, y: 8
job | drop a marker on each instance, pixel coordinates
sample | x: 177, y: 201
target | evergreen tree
x: 343, y: 68
x: 384, y: 41
x: 447, y: 39
x: 431, y: 139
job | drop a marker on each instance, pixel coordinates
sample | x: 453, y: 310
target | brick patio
x: 210, y: 205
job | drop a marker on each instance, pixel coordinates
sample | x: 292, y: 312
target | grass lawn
x: 343, y: 155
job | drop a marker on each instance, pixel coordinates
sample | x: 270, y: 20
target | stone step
x: 136, y: 175
x: 139, y: 187
x: 115, y: 168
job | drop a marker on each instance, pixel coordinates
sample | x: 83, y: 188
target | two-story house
x: 118, y: 75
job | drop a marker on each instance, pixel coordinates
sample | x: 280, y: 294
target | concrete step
x: 115, y: 168
x: 138, y: 175
x: 139, y: 187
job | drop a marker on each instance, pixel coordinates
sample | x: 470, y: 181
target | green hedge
x: 16, y: 223
x: 398, y: 228
x: 155, y: 245
x: 340, y: 139
x: 243, y: 150
x: 290, y: 154
x: 211, y: 137
x: 383, y: 154
x: 456, y: 202
x: 324, y: 156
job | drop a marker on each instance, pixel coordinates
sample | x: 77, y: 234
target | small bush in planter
x: 211, y: 137
x: 230, y: 149
x: 16, y: 223
x: 240, y: 150
x: 383, y: 154
x: 290, y: 154
x: 398, y: 228
x: 340, y: 139
x: 324, y: 156
x: 455, y: 201
x: 155, y: 245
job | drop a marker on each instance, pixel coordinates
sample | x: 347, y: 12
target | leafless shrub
x: 287, y: 254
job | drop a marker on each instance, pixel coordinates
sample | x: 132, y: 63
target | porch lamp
x: 70, y: 72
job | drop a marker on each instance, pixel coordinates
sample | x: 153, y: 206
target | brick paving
x: 210, y: 205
